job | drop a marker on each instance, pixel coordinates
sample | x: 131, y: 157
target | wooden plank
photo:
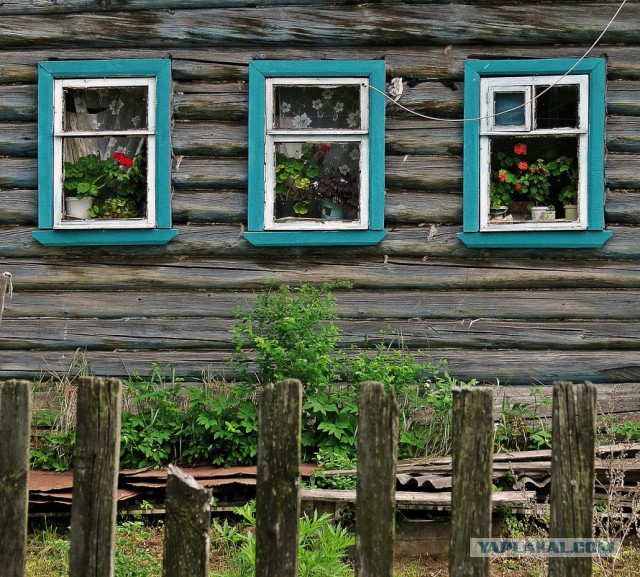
x: 95, y: 478
x: 376, y: 482
x: 18, y: 103
x: 278, y: 479
x: 413, y: 499
x: 523, y: 368
x: 187, y: 521
x: 572, y: 473
x: 18, y: 139
x: 471, y: 467
x: 15, y: 431
x: 397, y: 305
x: 411, y: 24
x: 201, y: 333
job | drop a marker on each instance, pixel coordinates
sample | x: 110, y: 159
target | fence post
x: 573, y: 429
x: 278, y: 482
x: 186, y: 534
x: 95, y: 478
x: 376, y: 481
x: 15, y: 430
x: 472, y: 463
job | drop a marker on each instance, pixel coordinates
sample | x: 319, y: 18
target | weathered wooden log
x: 191, y: 332
x: 572, y: 473
x: 95, y: 478
x: 398, y: 305
x: 15, y: 431
x: 278, y: 482
x: 411, y: 24
x: 423, y: 173
x: 523, y: 368
x: 367, y: 273
x: 18, y: 139
x: 376, y: 485
x: 187, y: 521
x: 228, y: 63
x: 472, y: 453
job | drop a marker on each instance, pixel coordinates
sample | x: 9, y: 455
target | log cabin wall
x: 520, y: 316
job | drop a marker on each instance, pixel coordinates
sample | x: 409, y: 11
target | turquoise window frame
x: 259, y: 72
x: 595, y: 234
x: 48, y: 72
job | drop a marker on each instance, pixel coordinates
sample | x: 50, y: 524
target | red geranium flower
x: 502, y: 176
x: 518, y: 186
x: 325, y: 147
x: 118, y: 156
x: 523, y: 165
x: 126, y: 162
x: 520, y: 148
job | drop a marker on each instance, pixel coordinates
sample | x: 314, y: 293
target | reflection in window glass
x: 316, y: 107
x: 317, y: 180
x: 509, y: 109
x: 556, y: 107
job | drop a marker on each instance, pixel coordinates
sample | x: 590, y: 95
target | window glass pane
x: 106, y: 109
x: 316, y: 107
x: 532, y: 171
x: 317, y: 180
x: 115, y: 179
x: 557, y: 107
x: 506, y: 101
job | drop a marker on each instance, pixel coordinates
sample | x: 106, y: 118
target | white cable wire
x: 427, y: 117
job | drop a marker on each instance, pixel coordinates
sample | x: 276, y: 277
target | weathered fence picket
x: 472, y: 461
x: 95, y: 477
x: 15, y: 430
x: 188, y: 506
x: 186, y: 530
x: 278, y: 482
x: 573, y: 430
x: 376, y: 481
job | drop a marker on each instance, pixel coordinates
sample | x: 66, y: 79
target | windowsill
x: 104, y: 237
x: 536, y: 239
x: 316, y: 238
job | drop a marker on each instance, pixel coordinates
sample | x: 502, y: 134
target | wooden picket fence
x: 188, y: 506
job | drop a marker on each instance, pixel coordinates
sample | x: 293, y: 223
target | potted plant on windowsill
x: 339, y: 194
x: 115, y: 187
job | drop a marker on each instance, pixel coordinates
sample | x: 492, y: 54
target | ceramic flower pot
x: 331, y: 210
x: 571, y: 212
x: 537, y: 212
x: 78, y: 208
x: 549, y: 214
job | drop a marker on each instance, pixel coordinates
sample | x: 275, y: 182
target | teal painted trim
x: 104, y: 237
x: 163, y: 144
x: 536, y: 239
x: 377, y: 104
x: 597, y: 119
x: 259, y: 71
x: 471, y: 152
x: 48, y: 72
x: 45, y: 148
x: 316, y: 238
x: 534, y: 67
x: 594, y: 236
x: 105, y: 68
x: 257, y: 135
x: 300, y: 68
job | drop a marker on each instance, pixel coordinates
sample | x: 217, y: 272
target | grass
x: 139, y: 554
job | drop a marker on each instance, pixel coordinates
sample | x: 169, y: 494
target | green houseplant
x: 117, y: 185
x: 540, y: 182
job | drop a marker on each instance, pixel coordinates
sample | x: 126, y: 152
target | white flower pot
x: 78, y: 208
x: 537, y: 212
